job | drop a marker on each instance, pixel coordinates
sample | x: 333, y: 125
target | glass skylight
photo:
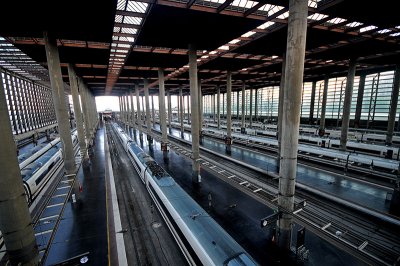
x: 271, y: 9
x: 384, y: 31
x: 317, y: 16
x: 266, y: 25
x: 234, y: 41
x: 395, y: 34
x: 121, y: 5
x: 353, y: 24
x: 244, y: 3
x: 336, y: 20
x: 248, y: 34
x: 223, y: 47
x: 132, y: 20
x: 284, y: 15
x: 368, y: 28
x: 128, y: 30
x: 137, y: 7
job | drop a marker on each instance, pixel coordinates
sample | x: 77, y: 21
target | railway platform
x: 82, y: 232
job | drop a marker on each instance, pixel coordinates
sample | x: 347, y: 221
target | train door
x: 389, y: 154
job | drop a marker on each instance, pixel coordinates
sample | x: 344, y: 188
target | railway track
x: 141, y: 222
x: 342, y: 227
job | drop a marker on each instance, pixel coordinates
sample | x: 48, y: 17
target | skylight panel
x: 137, y: 7
x: 368, y: 28
x: 395, y: 34
x: 129, y: 30
x: 384, y: 31
x: 336, y: 20
x: 132, y: 20
x: 266, y: 25
x: 270, y: 9
x: 118, y: 18
x: 121, y: 45
x: 130, y: 39
x: 121, y: 4
x: 234, y: 41
x: 243, y: 3
x: 313, y: 3
x: 317, y: 16
x: 354, y: 24
x: 223, y: 47
x: 284, y: 15
x: 248, y: 34
x: 117, y: 29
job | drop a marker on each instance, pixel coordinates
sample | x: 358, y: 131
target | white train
x: 201, y: 239
x: 40, y: 167
x: 309, y: 135
x: 349, y: 158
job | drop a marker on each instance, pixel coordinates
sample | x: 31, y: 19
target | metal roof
x: 114, y: 44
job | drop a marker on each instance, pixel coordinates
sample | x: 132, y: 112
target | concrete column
x: 188, y: 109
x: 194, y: 93
x: 127, y: 112
x: 132, y: 111
x: 120, y: 107
x: 77, y: 110
x: 139, y: 113
x: 393, y: 106
x: 237, y: 105
x: 228, y: 140
x: 256, y: 105
x: 311, y: 116
x: 200, y: 112
x: 251, y: 107
x: 347, y: 104
x: 201, y: 105
x: 15, y: 219
x: 169, y: 112
x: 57, y: 85
x: 163, y: 120
x: 148, y: 121
x: 360, y: 95
x: 280, y: 109
x: 218, y: 107
x: 243, y: 128
x: 323, y: 106
x: 294, y: 69
x: 85, y: 108
x: 223, y: 104
x: 181, y: 111
x: 153, y: 111
x: 213, y: 106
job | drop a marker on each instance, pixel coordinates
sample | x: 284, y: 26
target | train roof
x: 220, y: 246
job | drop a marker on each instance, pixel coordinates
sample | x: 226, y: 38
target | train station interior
x: 200, y: 132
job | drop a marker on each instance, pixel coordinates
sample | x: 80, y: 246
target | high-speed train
x: 202, y: 240
x: 388, y: 152
x: 348, y: 157
x: 40, y: 167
